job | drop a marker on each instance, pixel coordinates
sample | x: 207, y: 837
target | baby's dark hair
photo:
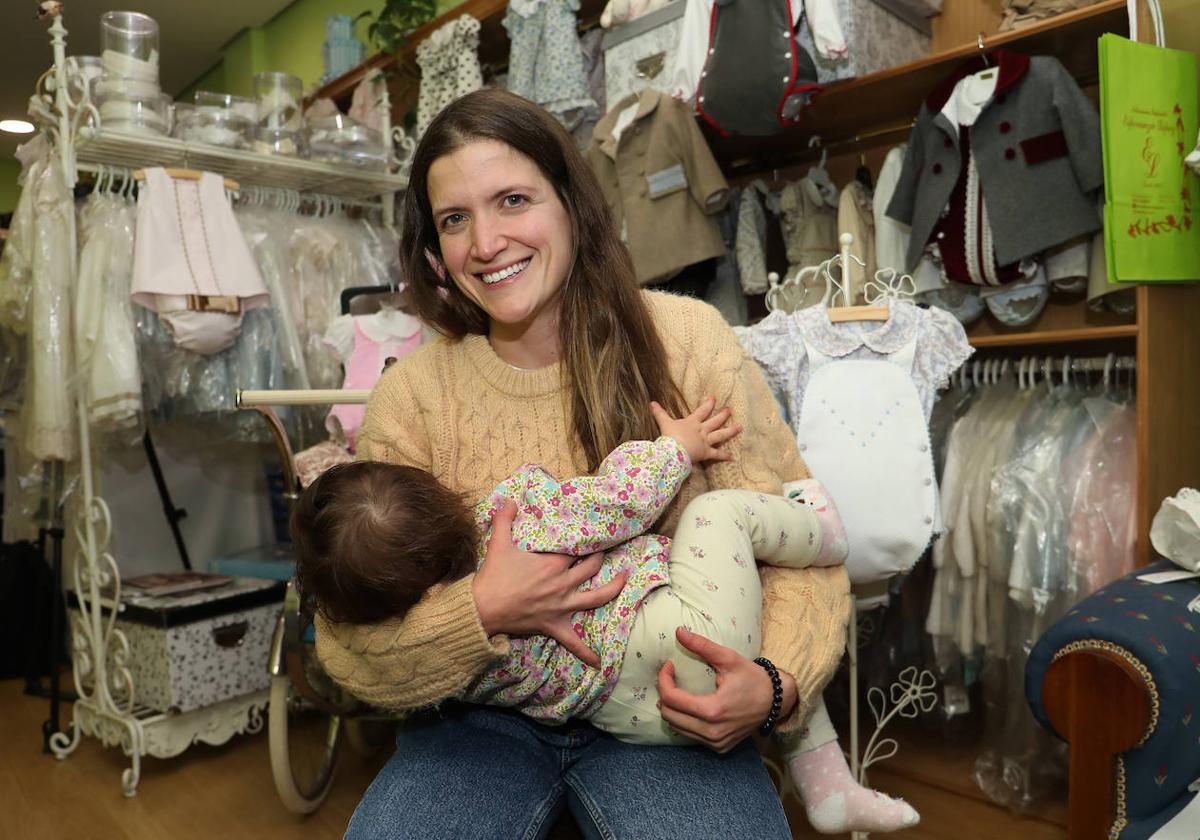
x: 371, y: 538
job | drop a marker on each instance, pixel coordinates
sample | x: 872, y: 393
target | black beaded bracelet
x: 777, y: 699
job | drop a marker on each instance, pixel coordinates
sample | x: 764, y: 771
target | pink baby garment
x: 365, y: 343
x: 191, y: 263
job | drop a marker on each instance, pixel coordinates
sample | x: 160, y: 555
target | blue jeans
x: 474, y: 772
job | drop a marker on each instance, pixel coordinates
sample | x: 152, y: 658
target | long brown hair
x: 613, y: 359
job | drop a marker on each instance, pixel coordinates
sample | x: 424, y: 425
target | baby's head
x: 371, y: 538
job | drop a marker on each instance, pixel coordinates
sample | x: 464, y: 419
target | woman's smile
x: 511, y: 272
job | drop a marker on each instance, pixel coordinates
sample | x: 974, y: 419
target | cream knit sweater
x: 456, y: 409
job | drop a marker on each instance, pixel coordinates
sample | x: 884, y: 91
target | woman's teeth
x: 497, y: 276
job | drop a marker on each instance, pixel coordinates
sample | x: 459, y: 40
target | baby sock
x: 836, y: 803
x: 810, y: 492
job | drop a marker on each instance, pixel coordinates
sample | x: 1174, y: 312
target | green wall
x: 9, y: 170
x: 291, y: 41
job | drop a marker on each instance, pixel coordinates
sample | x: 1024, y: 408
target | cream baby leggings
x: 714, y: 591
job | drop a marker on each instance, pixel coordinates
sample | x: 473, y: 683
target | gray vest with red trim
x: 756, y: 77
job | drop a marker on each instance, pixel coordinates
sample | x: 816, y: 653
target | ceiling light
x: 16, y: 126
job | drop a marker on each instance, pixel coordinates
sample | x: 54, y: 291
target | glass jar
x: 279, y: 101
x: 217, y: 119
x: 139, y: 114
x: 339, y: 139
x: 129, y: 45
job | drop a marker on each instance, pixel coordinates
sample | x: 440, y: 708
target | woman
x: 553, y: 356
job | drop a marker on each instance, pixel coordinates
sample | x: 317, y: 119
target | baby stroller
x: 308, y: 714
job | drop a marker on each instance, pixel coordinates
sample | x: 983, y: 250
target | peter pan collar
x: 1013, y: 67
x: 647, y: 102
x: 844, y: 338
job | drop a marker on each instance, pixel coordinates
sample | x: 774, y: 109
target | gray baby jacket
x: 1037, y: 149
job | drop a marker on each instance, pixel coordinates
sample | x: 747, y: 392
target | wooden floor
x: 226, y: 792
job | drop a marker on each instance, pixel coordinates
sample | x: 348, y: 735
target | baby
x: 371, y: 538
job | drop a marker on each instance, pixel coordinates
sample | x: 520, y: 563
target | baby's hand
x: 701, y: 432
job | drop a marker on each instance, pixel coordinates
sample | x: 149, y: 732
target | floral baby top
x: 777, y: 344
x: 545, y: 64
x: 449, y: 62
x: 606, y: 512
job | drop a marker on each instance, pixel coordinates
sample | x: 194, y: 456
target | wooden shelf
x: 1084, y: 334
x: 892, y: 97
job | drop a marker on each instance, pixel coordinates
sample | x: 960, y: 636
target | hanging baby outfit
x: 191, y: 263
x: 860, y: 396
x: 449, y: 62
x: 48, y: 410
x: 856, y: 216
x: 545, y: 63
x: 752, y: 236
x: 104, y: 327
x: 364, y: 344
x: 754, y: 82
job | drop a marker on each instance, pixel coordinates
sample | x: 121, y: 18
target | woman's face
x: 505, y: 235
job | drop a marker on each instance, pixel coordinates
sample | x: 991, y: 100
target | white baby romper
x: 862, y: 431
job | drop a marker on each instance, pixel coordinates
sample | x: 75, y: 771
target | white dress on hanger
x: 859, y: 395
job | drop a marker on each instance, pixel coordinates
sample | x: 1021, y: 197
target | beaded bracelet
x: 777, y: 700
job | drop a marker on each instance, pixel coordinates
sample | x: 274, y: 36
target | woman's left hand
x: 737, y: 708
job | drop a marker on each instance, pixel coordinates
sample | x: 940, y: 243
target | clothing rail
x: 300, y: 396
x: 1067, y: 362
x: 1027, y: 368
x: 281, y: 197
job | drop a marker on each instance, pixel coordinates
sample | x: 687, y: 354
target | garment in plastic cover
x: 48, y: 409
x: 104, y: 323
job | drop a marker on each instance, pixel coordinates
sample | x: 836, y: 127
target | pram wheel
x: 304, y: 745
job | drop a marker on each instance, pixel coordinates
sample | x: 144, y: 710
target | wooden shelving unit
x: 1044, y: 337
x: 868, y: 106
x: 493, y: 53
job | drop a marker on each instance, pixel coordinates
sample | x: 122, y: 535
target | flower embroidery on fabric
x: 702, y: 522
x: 696, y: 551
x: 638, y: 692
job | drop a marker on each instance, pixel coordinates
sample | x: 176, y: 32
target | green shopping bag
x: 1148, y: 113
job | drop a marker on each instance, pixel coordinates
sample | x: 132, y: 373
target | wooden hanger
x: 840, y: 314
x: 187, y: 175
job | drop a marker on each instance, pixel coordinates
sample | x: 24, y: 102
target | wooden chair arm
x: 1099, y: 704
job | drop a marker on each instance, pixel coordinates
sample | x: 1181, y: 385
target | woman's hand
x: 737, y: 708
x: 521, y: 593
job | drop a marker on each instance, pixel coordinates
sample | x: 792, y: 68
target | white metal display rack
x: 108, y: 707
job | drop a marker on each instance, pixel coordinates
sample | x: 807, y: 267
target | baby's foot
x: 810, y: 492
x: 835, y: 803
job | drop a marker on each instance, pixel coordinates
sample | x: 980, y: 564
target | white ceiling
x: 191, y: 34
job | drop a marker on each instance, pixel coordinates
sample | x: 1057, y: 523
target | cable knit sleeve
x: 439, y: 646
x: 804, y: 610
